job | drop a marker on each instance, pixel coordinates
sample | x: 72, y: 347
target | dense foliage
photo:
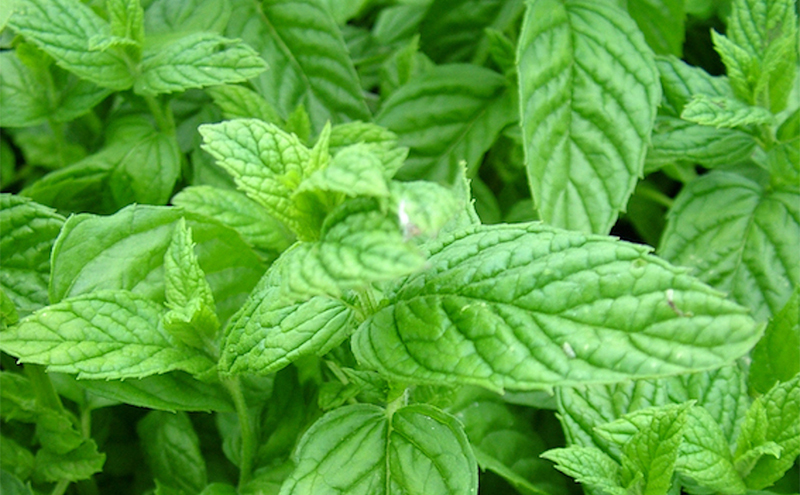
x: 362, y: 247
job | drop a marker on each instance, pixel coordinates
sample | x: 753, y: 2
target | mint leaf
x: 379, y: 140
x: 238, y: 102
x: 65, y: 30
x: 308, y: 60
x: 126, y: 251
x: 738, y: 65
x: 743, y: 229
x: 676, y: 140
x: 681, y: 81
x: 191, y: 318
x: 106, y: 334
x: 24, y: 103
x: 779, y: 425
x: 267, y: 163
x: 662, y: 23
x: 448, y: 114
x: 195, y: 61
x: 75, y: 465
x: 174, y: 391
x: 354, y: 171
x: 724, y: 112
x: 11, y: 485
x: 262, y: 232
x: 127, y: 20
x: 422, y: 207
x: 18, y: 402
x: 589, y: 466
x: 500, y: 304
x: 270, y: 332
x: 15, y: 459
x: 166, y: 17
x: 29, y: 231
x: 385, y: 453
x: 588, y: 96
x: 776, y: 357
x: 8, y: 311
x: 172, y: 450
x: 359, y: 245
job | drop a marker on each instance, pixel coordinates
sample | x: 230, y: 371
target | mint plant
x: 362, y: 247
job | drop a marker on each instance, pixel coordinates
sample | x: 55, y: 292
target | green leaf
x: 423, y: 207
x: 24, y: 102
x: 655, y: 436
x: 523, y: 306
x: 127, y: 19
x: 354, y: 171
x: 781, y: 422
x: 737, y: 233
x: 56, y: 430
x: 680, y: 82
x: 103, y: 335
x: 174, y: 391
x: 191, y: 318
x: 126, y: 251
x: 172, y: 450
x: 195, y: 61
x: 29, y: 231
x: 11, y: 485
x: 738, y: 64
x: 359, y: 245
x: 64, y: 29
x: 379, y: 140
x: 267, y: 163
x: 588, y: 95
x: 238, y: 102
x: 448, y: 114
x: 270, y: 332
x: 8, y: 311
x: 676, y: 140
x: 75, y: 465
x: 138, y: 165
x: 416, y: 449
x: 589, y: 466
x: 15, y: 459
x: 776, y: 357
x: 662, y: 23
x: 167, y: 17
x: 308, y: 59
x: 724, y: 112
x: 262, y: 232
x: 15, y: 395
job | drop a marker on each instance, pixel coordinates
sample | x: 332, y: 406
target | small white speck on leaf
x: 568, y: 350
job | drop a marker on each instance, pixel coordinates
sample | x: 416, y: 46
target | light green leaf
x: 24, y: 102
x: 269, y: 332
x: 739, y: 236
x: 776, y: 357
x: 167, y: 17
x: 379, y: 140
x: 267, y: 163
x: 172, y: 450
x: 127, y: 20
x: 724, y: 112
x: 75, y: 465
x: 359, y: 245
x: 195, y: 61
x: 262, y: 232
x: 779, y: 424
x: 29, y: 231
x: 174, y: 391
x: 138, y: 165
x: 662, y: 23
x: 526, y: 306
x: 103, y: 335
x: 650, y: 440
x: 18, y: 402
x: 11, y: 485
x: 416, y: 449
x: 588, y: 95
x: 126, y: 251
x: 308, y: 59
x: 15, y: 459
x: 238, y: 102
x: 738, y: 64
x: 448, y: 114
x: 681, y: 81
x: 56, y: 430
x: 8, y: 311
x: 354, y: 171
x: 589, y: 466
x: 423, y: 207
x: 64, y: 29
x: 704, y: 460
x: 191, y: 318
x: 676, y: 140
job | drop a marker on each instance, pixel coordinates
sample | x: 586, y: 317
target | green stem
x: 43, y: 388
x: 163, y: 115
x: 60, y: 487
x: 655, y: 196
x: 86, y: 422
x: 234, y: 387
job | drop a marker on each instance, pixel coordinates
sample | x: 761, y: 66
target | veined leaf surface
x: 589, y: 90
x: 528, y: 306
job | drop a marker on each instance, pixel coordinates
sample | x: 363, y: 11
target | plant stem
x: 163, y: 115
x: 60, y: 487
x: 234, y: 387
x: 655, y: 196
